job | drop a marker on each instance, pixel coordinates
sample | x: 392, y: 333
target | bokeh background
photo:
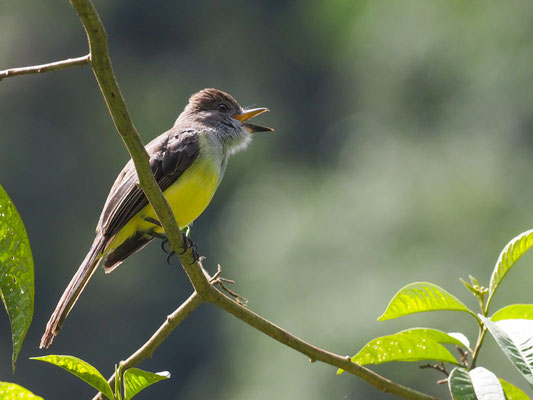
x: 402, y: 153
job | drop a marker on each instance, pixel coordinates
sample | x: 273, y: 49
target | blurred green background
x: 402, y: 153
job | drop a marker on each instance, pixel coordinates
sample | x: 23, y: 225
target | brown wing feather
x: 170, y: 155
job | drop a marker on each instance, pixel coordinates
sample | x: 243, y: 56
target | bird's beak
x: 245, y: 115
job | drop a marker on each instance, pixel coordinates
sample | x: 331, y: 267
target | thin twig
x: 464, y: 356
x: 39, y: 69
x: 314, y: 353
x: 439, y: 367
x: 147, y: 349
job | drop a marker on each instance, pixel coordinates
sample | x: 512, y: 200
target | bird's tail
x: 73, y: 291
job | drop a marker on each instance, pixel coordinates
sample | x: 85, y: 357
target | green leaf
x: 512, y: 392
x: 12, y: 391
x: 136, y: 380
x: 477, y: 384
x: 514, y: 311
x: 16, y: 273
x: 410, y: 345
x: 510, y: 254
x: 420, y: 297
x: 515, y: 338
x: 82, y: 370
x: 460, y: 385
x: 436, y: 335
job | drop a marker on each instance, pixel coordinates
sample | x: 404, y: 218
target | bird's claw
x: 165, y: 246
x: 187, y: 244
x: 170, y: 254
x: 164, y: 243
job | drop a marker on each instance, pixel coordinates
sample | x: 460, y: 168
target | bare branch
x: 39, y: 69
x: 147, y: 349
x: 256, y: 321
x: 439, y: 367
x: 314, y: 353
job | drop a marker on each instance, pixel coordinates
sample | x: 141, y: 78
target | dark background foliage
x: 402, y: 153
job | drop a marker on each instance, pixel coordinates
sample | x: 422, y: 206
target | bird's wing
x: 171, y: 154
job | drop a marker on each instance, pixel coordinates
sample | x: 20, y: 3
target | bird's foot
x: 219, y: 281
x: 187, y: 244
x: 164, y: 241
x: 162, y: 236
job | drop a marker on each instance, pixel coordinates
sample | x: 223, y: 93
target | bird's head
x: 223, y: 114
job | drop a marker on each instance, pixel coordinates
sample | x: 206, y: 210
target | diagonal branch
x: 39, y: 69
x: 314, y: 353
x: 261, y: 324
x: 204, y: 290
x: 147, y: 349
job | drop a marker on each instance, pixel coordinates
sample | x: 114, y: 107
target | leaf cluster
x: 511, y: 327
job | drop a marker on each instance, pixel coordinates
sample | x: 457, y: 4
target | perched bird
x: 188, y: 162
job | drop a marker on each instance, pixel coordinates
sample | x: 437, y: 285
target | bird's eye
x: 222, y: 108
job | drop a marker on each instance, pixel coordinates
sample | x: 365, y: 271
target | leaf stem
x: 482, y: 330
x: 480, y: 338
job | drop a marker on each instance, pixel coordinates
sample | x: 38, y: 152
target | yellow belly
x: 188, y: 198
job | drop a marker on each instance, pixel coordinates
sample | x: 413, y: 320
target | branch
x: 315, y: 353
x: 204, y: 291
x: 147, y: 349
x: 39, y: 69
x: 261, y: 324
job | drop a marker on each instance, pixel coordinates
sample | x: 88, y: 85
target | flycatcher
x: 188, y: 162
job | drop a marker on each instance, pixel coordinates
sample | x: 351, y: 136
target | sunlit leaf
x: 514, y: 311
x: 410, y: 345
x: 12, y: 391
x: 477, y: 384
x: 515, y: 338
x: 510, y: 254
x: 136, y: 380
x: 512, y: 392
x: 435, y: 334
x: 16, y: 273
x: 461, y: 338
x: 82, y: 370
x: 420, y: 297
x: 486, y: 385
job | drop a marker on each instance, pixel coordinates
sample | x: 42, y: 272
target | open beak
x: 249, y: 114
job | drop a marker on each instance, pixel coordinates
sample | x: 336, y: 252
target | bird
x: 188, y: 162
